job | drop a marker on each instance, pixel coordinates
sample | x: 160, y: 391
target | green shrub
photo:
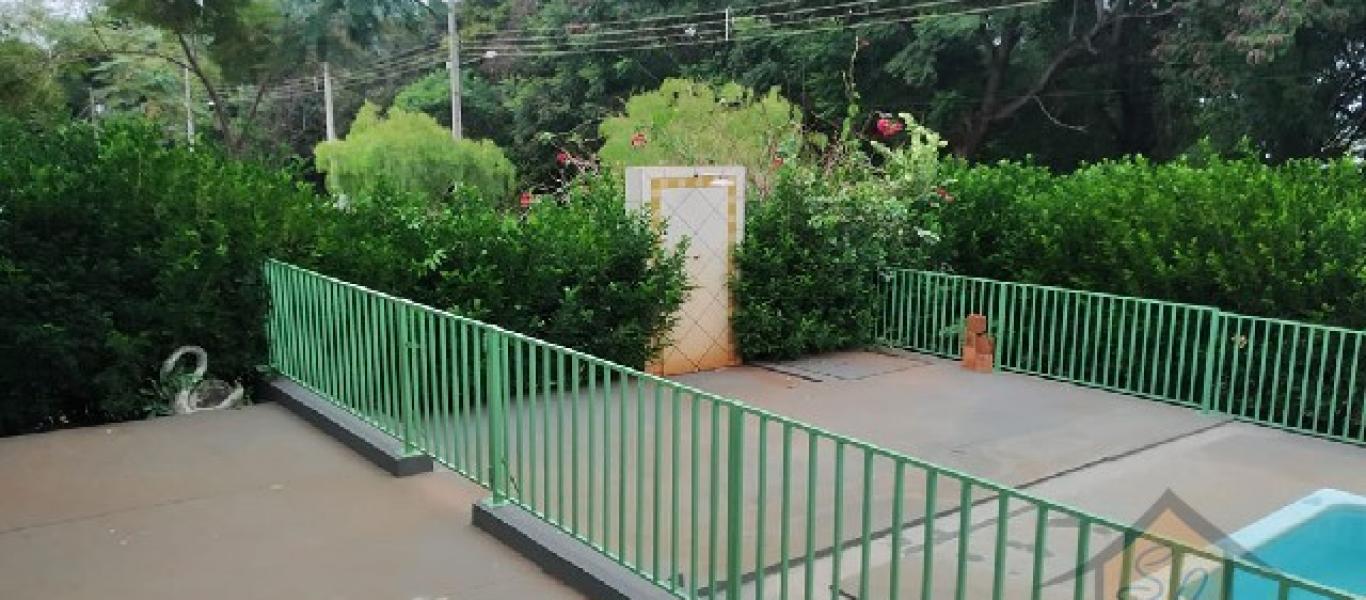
x: 1286, y: 241
x: 577, y: 270
x: 816, y: 244
x: 409, y: 152
x: 686, y: 122
x: 115, y: 249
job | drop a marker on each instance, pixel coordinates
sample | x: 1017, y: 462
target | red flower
x: 525, y: 199
x: 562, y: 157
x: 889, y: 127
x: 638, y: 140
x: 943, y: 193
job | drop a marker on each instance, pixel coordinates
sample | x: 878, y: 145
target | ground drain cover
x: 844, y: 366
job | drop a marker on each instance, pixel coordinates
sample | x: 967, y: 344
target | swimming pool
x: 1321, y: 538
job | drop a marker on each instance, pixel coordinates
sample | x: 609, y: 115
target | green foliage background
x: 118, y: 248
x: 1284, y: 241
x: 818, y: 242
x: 688, y: 122
x: 409, y: 153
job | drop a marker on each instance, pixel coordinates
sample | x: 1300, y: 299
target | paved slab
x: 1010, y: 428
x: 251, y: 503
x: 1110, y: 454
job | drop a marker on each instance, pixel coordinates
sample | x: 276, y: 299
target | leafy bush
x: 1286, y: 241
x: 577, y: 270
x: 690, y: 123
x: 115, y: 249
x: 816, y: 244
x: 409, y: 152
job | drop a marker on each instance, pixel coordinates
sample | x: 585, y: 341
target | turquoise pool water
x: 1327, y: 548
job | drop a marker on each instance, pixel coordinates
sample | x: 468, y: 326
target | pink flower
x: 638, y: 140
x: 525, y: 199
x: 889, y: 127
x: 562, y: 157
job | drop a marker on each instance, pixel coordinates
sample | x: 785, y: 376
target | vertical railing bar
x: 1175, y: 578
x: 1251, y: 342
x: 1337, y: 385
x: 964, y: 532
x: 898, y: 524
x: 1126, y: 559
x: 1065, y: 362
x: 591, y: 466
x: 837, y: 537
x: 695, y: 481
x: 1352, y: 388
x: 927, y: 564
x: 479, y: 351
x: 574, y: 446
x: 761, y: 485
x: 867, y: 522
x: 714, y: 487
x: 1083, y: 551
x: 1290, y: 375
x: 811, y: 474
x: 1276, y: 373
x: 1142, y: 384
x: 785, y: 513
x: 1171, y: 349
x: 735, y: 463
x: 544, y: 409
x: 1261, y: 372
x: 1040, y: 545
x: 621, y: 467
x: 562, y: 386
x: 1323, y: 373
x: 999, y: 554
x: 657, y: 487
x: 675, y: 424
x: 640, y: 472
x: 1132, y: 354
x: 497, y: 411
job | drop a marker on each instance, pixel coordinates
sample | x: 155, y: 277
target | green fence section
x: 1298, y: 376
x: 702, y: 495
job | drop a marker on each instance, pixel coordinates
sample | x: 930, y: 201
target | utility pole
x: 189, y: 110
x: 327, y: 103
x: 453, y: 66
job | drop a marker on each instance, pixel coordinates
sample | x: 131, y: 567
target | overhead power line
x: 694, y: 29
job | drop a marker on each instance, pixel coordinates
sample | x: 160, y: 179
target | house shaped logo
x: 1135, y: 567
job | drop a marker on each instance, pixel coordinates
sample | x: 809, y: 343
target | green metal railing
x: 1299, y: 376
x: 701, y: 495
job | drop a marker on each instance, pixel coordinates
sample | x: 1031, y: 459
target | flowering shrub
x: 816, y: 244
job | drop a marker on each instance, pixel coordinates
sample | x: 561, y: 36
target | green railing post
x: 407, y: 395
x: 1212, y: 367
x: 495, y: 365
x: 735, y: 500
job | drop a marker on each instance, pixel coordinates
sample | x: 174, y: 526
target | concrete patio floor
x: 1110, y: 454
x: 256, y: 503
x: 250, y: 503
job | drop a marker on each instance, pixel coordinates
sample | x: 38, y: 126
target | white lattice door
x: 704, y: 206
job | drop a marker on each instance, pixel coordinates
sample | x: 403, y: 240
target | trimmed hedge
x: 115, y: 249
x: 1284, y: 241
